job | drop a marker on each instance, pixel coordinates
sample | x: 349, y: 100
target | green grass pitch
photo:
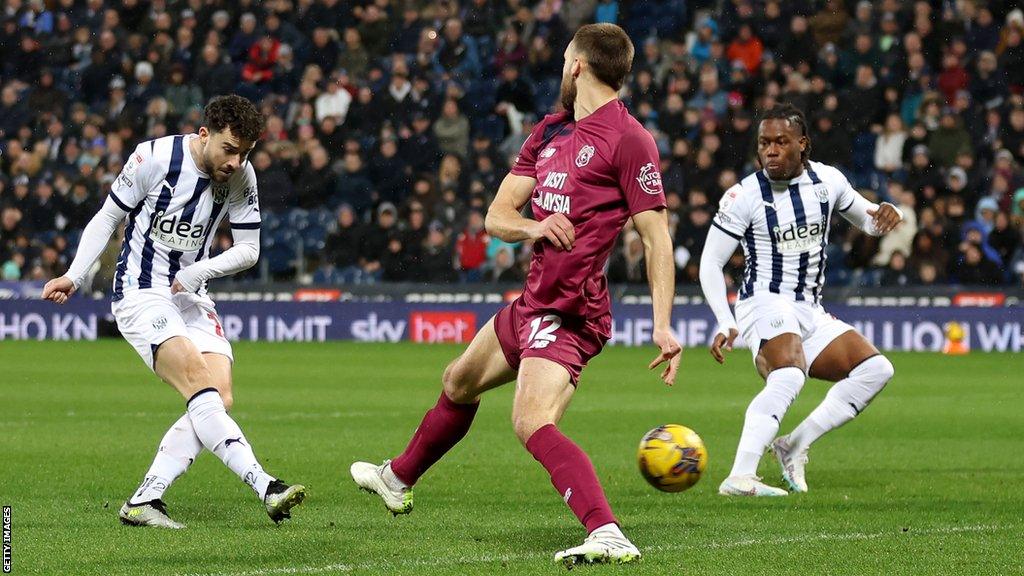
x: 930, y: 480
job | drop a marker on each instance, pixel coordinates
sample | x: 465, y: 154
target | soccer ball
x: 672, y: 457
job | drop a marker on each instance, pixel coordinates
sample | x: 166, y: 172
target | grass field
x: 929, y: 480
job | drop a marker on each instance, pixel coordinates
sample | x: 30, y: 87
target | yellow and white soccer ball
x: 672, y: 457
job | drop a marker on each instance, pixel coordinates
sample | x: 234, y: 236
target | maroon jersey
x: 598, y: 172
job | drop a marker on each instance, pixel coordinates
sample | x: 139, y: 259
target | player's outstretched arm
x: 94, y: 239
x: 505, y: 221
x: 718, y: 248
x: 652, y: 225
x: 873, y: 219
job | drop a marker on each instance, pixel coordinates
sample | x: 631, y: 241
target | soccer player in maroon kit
x: 585, y: 172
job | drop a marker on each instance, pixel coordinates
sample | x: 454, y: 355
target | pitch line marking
x: 779, y: 541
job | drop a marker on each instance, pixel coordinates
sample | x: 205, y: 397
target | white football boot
x: 792, y: 464
x: 748, y: 485
x: 603, y: 546
x: 152, y: 513
x: 370, y: 477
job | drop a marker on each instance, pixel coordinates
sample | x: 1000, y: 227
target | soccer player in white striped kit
x: 781, y: 216
x: 175, y: 191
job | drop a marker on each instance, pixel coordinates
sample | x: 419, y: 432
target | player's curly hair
x: 234, y: 112
x: 792, y: 114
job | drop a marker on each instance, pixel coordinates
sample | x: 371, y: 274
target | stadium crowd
x: 390, y: 124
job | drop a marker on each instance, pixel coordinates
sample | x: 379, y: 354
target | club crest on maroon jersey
x: 584, y: 156
x: 649, y: 179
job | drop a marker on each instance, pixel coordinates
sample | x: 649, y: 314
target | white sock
x: 391, y: 480
x: 844, y: 401
x: 221, y: 435
x: 763, y: 417
x: 611, y: 528
x: 177, y: 451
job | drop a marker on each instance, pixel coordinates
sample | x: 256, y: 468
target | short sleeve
x: 639, y: 171
x: 525, y: 163
x: 244, y: 203
x: 732, y: 217
x: 134, y: 182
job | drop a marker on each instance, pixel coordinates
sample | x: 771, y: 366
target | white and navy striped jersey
x: 783, y: 228
x: 174, y: 209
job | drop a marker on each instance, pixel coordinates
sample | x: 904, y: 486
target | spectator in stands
x: 627, y: 263
x: 974, y: 268
x: 354, y: 58
x: 746, y: 48
x: 375, y: 30
x: 503, y: 267
x: 80, y: 206
x: 315, y: 180
x: 710, y: 96
x: 902, y: 238
x: 261, y: 59
x: 896, y: 272
x: 214, y: 75
x: 1004, y: 238
x: 11, y: 269
x: 471, y: 248
x: 437, y: 260
x: 375, y: 242
x: 923, y: 178
x: 13, y: 113
x: 182, y: 97
x: 452, y: 130
x: 342, y: 247
x: 335, y: 101
x: 831, y: 145
x: 457, y: 56
x: 948, y: 139
x: 511, y: 51
x: 396, y: 262
x: 889, y: 146
x: 354, y: 186
x: 389, y: 172
x: 324, y: 51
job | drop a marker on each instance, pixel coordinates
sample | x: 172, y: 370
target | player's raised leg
x: 860, y: 372
x: 780, y: 362
x: 480, y: 368
x: 543, y: 392
x: 179, y: 363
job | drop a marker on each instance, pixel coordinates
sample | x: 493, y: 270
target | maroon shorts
x: 524, y: 332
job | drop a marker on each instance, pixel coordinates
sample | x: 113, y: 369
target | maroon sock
x: 441, y: 429
x: 573, y: 476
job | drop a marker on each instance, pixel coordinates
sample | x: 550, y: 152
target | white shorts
x: 764, y: 316
x: 148, y: 317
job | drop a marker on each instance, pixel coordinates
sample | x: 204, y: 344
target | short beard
x: 208, y: 167
x: 567, y: 95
